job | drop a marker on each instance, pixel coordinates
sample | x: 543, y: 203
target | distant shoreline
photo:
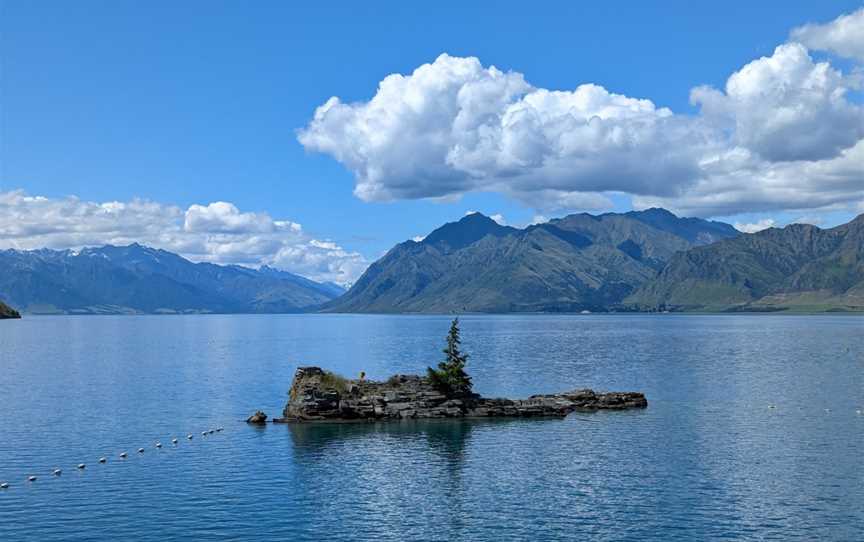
x: 789, y: 312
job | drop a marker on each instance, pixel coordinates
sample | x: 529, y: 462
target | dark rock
x: 8, y: 312
x: 318, y: 395
x: 258, y: 418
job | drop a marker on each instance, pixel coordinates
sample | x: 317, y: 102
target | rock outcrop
x: 8, y: 312
x: 318, y: 395
x: 257, y: 419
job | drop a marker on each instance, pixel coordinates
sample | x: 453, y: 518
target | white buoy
x: 158, y: 444
x: 212, y: 431
x: 827, y: 410
x: 859, y: 411
x: 173, y: 441
x: 81, y: 465
x: 772, y: 406
x: 103, y: 460
x: 203, y: 433
x: 123, y: 455
x: 4, y: 485
x: 57, y: 472
x: 140, y: 450
x: 189, y: 437
x: 219, y: 429
x: 31, y: 479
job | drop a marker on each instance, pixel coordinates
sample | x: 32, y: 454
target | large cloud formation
x: 782, y: 134
x: 217, y: 233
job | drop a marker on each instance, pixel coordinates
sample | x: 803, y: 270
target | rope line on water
x: 56, y: 472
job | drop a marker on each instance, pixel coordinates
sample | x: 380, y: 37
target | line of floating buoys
x: 123, y: 455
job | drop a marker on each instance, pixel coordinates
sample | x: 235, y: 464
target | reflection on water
x: 707, y: 460
x: 445, y: 437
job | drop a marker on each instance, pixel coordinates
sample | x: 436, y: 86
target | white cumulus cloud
x: 218, y: 233
x: 455, y: 126
x: 786, y: 107
x: 782, y: 133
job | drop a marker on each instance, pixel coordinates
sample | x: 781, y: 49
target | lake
x: 708, y: 459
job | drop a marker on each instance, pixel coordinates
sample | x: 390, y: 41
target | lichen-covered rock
x: 318, y: 395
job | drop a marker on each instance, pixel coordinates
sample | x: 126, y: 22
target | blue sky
x: 188, y: 103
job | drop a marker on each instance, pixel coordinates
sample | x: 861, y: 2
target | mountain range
x: 636, y: 261
x: 139, y: 279
x: 798, y: 267
x: 579, y: 262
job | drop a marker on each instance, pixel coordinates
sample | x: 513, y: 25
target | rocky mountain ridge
x: 799, y: 267
x: 579, y: 262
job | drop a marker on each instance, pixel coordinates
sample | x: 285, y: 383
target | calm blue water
x: 707, y: 460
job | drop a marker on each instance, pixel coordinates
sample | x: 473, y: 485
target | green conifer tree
x: 450, y: 377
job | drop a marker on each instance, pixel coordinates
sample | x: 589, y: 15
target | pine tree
x: 450, y: 377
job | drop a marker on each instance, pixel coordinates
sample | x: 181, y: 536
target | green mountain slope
x: 799, y: 267
x: 575, y: 263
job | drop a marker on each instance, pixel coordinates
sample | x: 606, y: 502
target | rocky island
x: 445, y: 392
x: 318, y: 395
